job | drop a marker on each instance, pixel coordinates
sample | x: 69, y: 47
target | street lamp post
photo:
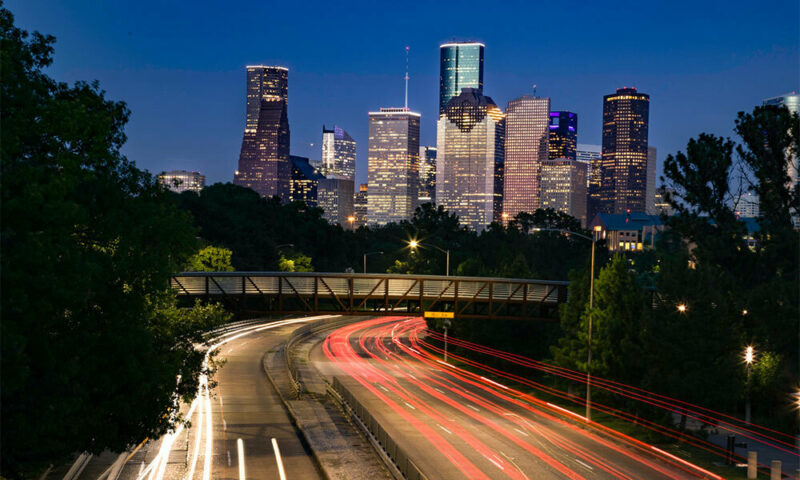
x: 365, y: 258
x: 592, y: 239
x: 446, y: 324
x: 413, y: 244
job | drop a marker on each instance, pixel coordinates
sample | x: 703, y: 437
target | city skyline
x: 714, y: 69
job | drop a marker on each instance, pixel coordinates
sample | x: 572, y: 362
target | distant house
x: 633, y: 231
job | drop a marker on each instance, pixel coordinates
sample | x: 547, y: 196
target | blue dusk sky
x: 180, y: 66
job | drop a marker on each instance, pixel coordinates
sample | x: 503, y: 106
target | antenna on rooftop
x: 534, y: 89
x: 406, y: 104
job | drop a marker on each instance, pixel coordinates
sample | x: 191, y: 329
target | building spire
x: 406, y: 103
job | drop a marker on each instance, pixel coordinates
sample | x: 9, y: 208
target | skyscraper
x: 360, y: 205
x: 526, y: 147
x: 182, y: 181
x: 792, y: 102
x: 264, y: 159
x: 335, y: 198
x: 469, y: 164
x: 650, y: 199
x: 563, y: 135
x: 427, y: 174
x: 460, y: 66
x: 338, y: 153
x: 393, y: 171
x: 623, y: 184
x: 592, y: 156
x: 303, y: 186
x: 563, y: 182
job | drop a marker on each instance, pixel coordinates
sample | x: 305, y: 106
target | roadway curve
x: 456, y: 424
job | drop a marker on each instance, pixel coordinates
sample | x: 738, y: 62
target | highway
x: 239, y: 428
x: 456, y: 424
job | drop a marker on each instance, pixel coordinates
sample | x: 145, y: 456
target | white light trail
x: 240, y: 448
x: 281, y: 473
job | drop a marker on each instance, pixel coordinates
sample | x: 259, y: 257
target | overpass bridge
x: 375, y: 294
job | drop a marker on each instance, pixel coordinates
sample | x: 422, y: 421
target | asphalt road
x: 455, y: 424
x: 249, y: 426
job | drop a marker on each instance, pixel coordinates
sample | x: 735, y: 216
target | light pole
x: 284, y: 245
x: 413, y: 244
x: 365, y: 258
x: 592, y: 239
x: 748, y: 360
x: 446, y: 324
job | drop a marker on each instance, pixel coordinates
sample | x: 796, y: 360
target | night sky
x: 180, y: 65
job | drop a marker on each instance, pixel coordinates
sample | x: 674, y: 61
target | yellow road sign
x: 439, y: 315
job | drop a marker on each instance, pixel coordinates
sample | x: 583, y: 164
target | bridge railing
x: 351, y: 293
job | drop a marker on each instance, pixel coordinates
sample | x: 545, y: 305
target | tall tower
x: 469, y: 163
x: 460, y: 66
x: 623, y: 184
x: 264, y: 159
x: 792, y: 102
x: 393, y: 171
x: 563, y: 135
x: 526, y: 147
x: 338, y: 153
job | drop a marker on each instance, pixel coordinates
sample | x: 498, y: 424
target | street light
x: 749, y: 355
x: 413, y: 244
x: 593, y: 239
x: 682, y: 307
x: 351, y: 219
x: 284, y: 245
x: 365, y: 258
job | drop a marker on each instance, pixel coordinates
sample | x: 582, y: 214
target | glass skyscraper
x: 427, y: 174
x: 470, y: 154
x: 592, y: 157
x: 335, y: 198
x: 563, y: 135
x: 792, y: 102
x: 623, y: 183
x: 264, y: 159
x: 460, y: 66
x: 338, y: 153
x: 182, y: 181
x: 304, y: 181
x: 563, y: 182
x: 393, y: 171
x: 526, y: 147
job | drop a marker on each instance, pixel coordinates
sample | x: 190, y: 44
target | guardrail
x: 396, y: 454
x: 376, y: 294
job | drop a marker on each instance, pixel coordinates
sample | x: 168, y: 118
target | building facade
x: 623, y: 184
x: 360, y: 205
x: 393, y: 171
x: 652, y: 164
x: 526, y: 147
x: 563, y: 182
x: 460, y: 66
x: 792, y: 102
x: 748, y: 206
x: 470, y: 155
x: 304, y: 181
x: 182, y: 180
x: 661, y: 205
x: 338, y: 153
x: 427, y: 175
x: 563, y: 135
x: 335, y: 198
x: 264, y: 158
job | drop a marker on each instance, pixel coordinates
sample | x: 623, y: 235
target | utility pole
x: 589, y: 358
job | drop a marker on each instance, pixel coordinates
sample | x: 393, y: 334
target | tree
x: 211, y: 259
x: 295, y: 263
x: 94, y: 352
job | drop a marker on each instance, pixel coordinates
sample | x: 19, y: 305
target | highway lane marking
x: 495, y: 462
x: 474, y: 408
x: 494, y: 383
x: 585, y: 465
x: 410, y: 406
x: 438, y: 390
x: 240, y: 448
x: 229, y: 458
x: 281, y: 473
x: 446, y: 430
x: 520, y: 431
x: 384, y: 388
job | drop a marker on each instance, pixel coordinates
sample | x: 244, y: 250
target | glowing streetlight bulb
x: 413, y: 244
x: 682, y: 307
x: 748, y: 355
x: 744, y: 312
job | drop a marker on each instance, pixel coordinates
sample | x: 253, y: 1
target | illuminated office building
x: 393, y: 171
x: 335, y: 198
x: 264, y: 159
x: 592, y: 156
x: 360, y: 205
x: 563, y: 182
x: 303, y: 185
x: 460, y: 66
x: 427, y: 174
x: 182, y: 181
x: 792, y: 102
x: 338, y: 153
x: 563, y: 135
x: 662, y: 206
x: 526, y: 147
x: 623, y: 183
x: 650, y: 199
x: 469, y: 164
